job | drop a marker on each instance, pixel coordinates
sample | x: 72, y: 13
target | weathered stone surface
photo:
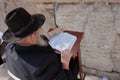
x: 89, y: 70
x: 49, y: 1
x: 89, y: 77
x: 111, y: 1
x: 58, y: 1
x: 117, y: 26
x: 72, y: 17
x: 116, y: 10
x: 116, y: 54
x: 2, y: 17
x: 101, y: 74
x: 109, y: 75
x: 99, y: 39
x: 9, y: 5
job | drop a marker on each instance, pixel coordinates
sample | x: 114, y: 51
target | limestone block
x: 101, y: 14
x: 29, y: 6
x: 2, y: 17
x: 116, y: 10
x: 109, y: 75
x: 72, y: 17
x: 101, y: 74
x: 117, y: 26
x: 58, y: 1
x: 91, y: 77
x: 111, y: 1
x: 9, y: 5
x: 89, y: 71
x: 96, y: 59
x: 116, y: 54
x: 49, y: 1
x: 99, y: 39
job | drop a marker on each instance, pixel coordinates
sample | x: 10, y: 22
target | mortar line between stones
x: 101, y: 70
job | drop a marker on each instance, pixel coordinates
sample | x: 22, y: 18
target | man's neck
x: 24, y: 43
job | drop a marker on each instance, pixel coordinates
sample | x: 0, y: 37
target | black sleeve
x: 1, y: 61
x: 65, y: 75
x: 2, y: 49
x: 68, y: 74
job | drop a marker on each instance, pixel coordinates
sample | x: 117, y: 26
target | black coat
x: 2, y: 48
x: 35, y: 63
x: 1, y: 61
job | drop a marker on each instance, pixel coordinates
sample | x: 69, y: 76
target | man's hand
x: 54, y: 32
x: 65, y: 58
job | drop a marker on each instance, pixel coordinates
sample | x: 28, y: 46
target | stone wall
x: 98, y: 19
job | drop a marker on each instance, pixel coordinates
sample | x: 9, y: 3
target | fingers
x: 63, y: 52
x: 66, y: 52
x: 57, y: 31
x: 65, y: 57
x: 57, y: 52
x: 61, y: 29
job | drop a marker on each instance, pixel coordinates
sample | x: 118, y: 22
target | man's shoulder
x: 10, y: 46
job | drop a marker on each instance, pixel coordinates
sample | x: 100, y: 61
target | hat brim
x: 39, y: 20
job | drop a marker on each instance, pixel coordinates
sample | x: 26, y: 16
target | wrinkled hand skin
x: 65, y: 58
x: 57, y: 31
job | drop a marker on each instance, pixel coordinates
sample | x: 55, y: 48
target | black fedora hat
x: 21, y: 24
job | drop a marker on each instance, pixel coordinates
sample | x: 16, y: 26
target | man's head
x: 34, y: 39
x: 21, y: 24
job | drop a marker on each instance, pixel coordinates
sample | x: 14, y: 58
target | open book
x: 62, y: 41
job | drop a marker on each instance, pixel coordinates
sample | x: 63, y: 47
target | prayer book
x: 62, y: 41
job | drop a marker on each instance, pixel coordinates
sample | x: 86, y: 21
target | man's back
x: 34, y: 63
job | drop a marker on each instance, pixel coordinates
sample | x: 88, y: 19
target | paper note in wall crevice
x: 62, y: 41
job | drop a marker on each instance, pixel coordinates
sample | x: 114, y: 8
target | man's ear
x: 33, y: 38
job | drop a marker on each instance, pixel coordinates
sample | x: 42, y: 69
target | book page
x: 62, y: 41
